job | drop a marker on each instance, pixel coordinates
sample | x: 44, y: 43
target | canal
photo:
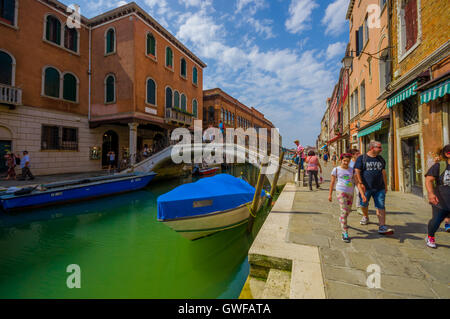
x: 122, y: 251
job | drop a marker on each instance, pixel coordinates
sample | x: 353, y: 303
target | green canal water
x: 122, y: 251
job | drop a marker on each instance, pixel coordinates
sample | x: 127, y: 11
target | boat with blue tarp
x: 207, y: 206
x: 15, y: 199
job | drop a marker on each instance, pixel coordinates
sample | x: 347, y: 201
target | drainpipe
x: 391, y: 112
x: 89, y: 73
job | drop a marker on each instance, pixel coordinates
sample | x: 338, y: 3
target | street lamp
x: 348, y: 59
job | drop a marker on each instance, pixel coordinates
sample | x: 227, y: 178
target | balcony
x: 10, y: 95
x: 178, y: 117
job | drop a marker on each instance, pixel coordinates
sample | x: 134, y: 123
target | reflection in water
x: 122, y: 250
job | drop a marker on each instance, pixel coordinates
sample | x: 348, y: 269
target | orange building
x: 115, y: 83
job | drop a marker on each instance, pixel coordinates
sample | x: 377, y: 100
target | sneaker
x: 431, y: 242
x: 447, y: 228
x: 364, y: 220
x: 345, y: 237
x: 359, y: 210
x: 383, y: 230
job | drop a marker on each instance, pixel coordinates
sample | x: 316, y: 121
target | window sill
x: 195, y: 84
x: 152, y: 57
x: 59, y: 99
x: 54, y: 151
x: 183, y: 77
x: 109, y: 103
x: 169, y: 69
x: 61, y: 47
x: 110, y: 53
x: 15, y: 27
x: 404, y: 55
x: 152, y: 105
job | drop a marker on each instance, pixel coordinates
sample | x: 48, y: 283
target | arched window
x: 70, y: 87
x: 8, y: 11
x: 6, y: 68
x: 110, y: 43
x: 151, y: 44
x: 176, y: 99
x: 232, y: 119
x: 53, y: 29
x: 110, y: 90
x: 183, y: 67
x: 183, y: 102
x: 194, y: 107
x: 169, y: 57
x: 151, y: 92
x: 168, y: 97
x: 71, y: 38
x: 194, y: 75
x: 51, y: 82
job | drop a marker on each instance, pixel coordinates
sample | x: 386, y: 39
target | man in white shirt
x: 25, y: 165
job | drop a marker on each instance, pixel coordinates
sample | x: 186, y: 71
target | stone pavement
x: 409, y: 269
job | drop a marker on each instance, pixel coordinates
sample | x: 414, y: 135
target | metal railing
x: 178, y: 116
x: 10, y: 95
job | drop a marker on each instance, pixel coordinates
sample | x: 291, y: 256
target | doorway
x: 412, y: 165
x: 110, y: 143
x: 5, y: 147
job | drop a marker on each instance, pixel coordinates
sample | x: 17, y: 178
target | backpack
x: 442, y: 168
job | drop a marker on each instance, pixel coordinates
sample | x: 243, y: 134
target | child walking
x: 342, y: 177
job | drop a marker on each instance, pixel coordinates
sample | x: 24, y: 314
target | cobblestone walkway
x: 409, y: 269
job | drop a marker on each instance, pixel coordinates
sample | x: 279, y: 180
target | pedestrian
x: 111, y: 160
x: 11, y: 163
x: 222, y: 128
x: 334, y: 159
x: 325, y: 159
x: 25, y: 165
x: 342, y: 177
x: 355, y: 154
x: 370, y: 171
x: 299, y: 154
x: 313, y: 168
x: 146, y: 151
x: 437, y: 182
x: 438, y: 158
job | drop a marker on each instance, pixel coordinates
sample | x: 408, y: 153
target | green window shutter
x: 70, y: 88
x: 51, y: 82
x: 176, y: 99
x: 183, y: 67
x: 151, y: 45
x: 110, y: 89
x: 183, y: 102
x: 168, y: 97
x: 169, y: 57
x: 151, y: 92
x: 194, y: 75
x: 5, y: 68
x: 74, y: 40
x: 194, y: 108
x: 58, y: 31
x: 110, y: 38
x: 47, y: 28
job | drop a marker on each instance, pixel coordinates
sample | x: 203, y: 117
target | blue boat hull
x: 76, y: 193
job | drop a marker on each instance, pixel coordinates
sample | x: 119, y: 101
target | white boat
x: 207, y: 206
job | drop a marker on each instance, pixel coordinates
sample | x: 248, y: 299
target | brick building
x: 117, y: 82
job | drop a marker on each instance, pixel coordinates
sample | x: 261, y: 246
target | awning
x: 438, y: 91
x: 370, y: 129
x: 334, y: 139
x: 323, y: 147
x: 403, y: 95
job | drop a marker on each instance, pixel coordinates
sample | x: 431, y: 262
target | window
x: 409, y: 21
x: 53, y: 29
x: 366, y: 31
x: 410, y: 111
x: 151, y: 44
x: 151, y: 92
x: 363, y: 96
x: 70, y: 87
x: 222, y: 115
x: 71, y: 39
x: 168, y: 97
x: 385, y: 70
x: 51, y: 82
x: 6, y: 68
x: 110, y: 89
x: 8, y: 11
x: 110, y: 44
x: 355, y: 103
x: 59, y: 138
x: 194, y: 108
x: 183, y: 68
x: 176, y: 99
x: 194, y: 75
x: 183, y: 102
x: 169, y: 57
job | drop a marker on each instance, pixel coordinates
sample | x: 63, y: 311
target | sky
x: 280, y: 56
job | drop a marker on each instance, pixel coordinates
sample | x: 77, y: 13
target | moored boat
x: 207, y: 206
x: 74, y: 190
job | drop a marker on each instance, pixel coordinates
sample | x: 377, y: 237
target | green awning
x: 403, y: 95
x: 438, y: 91
x: 371, y: 129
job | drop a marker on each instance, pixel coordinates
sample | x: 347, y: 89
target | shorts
x: 379, y: 196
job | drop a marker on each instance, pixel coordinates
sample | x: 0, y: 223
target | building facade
x: 115, y: 83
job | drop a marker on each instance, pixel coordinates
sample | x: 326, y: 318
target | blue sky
x: 279, y: 56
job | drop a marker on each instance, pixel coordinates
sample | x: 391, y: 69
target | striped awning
x: 438, y: 91
x: 370, y: 129
x: 403, y: 95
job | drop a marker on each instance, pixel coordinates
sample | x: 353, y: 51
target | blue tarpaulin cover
x: 212, y: 194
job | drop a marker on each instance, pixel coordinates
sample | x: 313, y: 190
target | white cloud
x: 252, y: 5
x: 263, y: 28
x: 299, y: 14
x: 336, y: 49
x: 334, y: 17
x: 121, y: 3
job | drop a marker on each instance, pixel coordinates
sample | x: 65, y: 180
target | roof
x: 350, y: 9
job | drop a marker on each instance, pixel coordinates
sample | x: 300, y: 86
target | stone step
x: 277, y: 285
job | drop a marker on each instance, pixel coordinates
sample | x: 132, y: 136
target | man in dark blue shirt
x: 370, y: 172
